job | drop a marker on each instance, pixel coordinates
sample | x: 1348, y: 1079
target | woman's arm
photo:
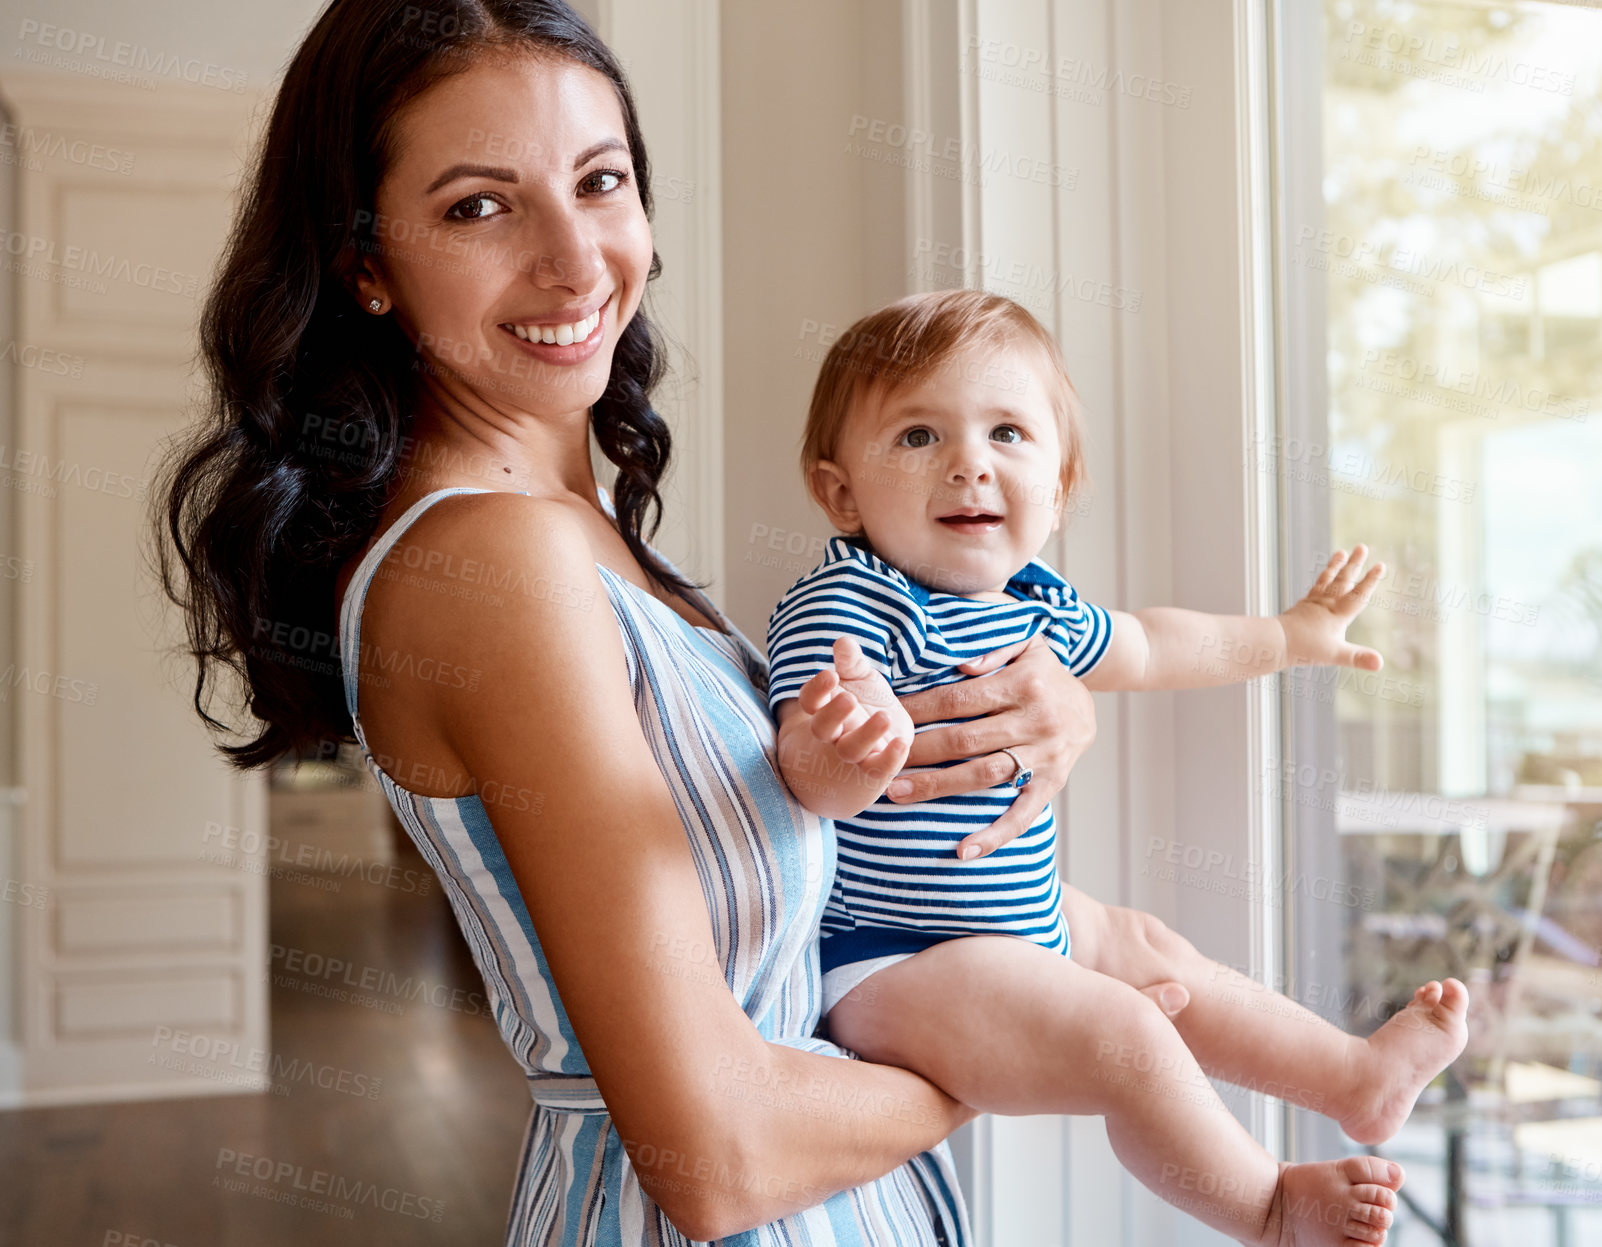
x: 725, y: 1130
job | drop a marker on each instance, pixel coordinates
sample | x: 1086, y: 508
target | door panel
x: 138, y: 931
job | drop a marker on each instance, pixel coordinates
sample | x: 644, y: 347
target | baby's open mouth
x: 972, y: 521
x: 971, y: 517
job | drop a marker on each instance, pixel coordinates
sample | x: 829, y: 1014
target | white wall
x: 670, y: 51
x: 255, y: 40
x: 813, y: 236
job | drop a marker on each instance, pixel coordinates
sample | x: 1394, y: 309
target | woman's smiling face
x: 512, y: 240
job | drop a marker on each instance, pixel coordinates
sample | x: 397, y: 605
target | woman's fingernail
x: 900, y: 787
x: 968, y: 851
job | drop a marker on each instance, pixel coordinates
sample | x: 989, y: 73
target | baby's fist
x: 851, y: 707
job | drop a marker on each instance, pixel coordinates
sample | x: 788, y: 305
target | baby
x: 944, y: 439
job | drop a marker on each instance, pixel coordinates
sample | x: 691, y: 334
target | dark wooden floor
x: 444, y: 1127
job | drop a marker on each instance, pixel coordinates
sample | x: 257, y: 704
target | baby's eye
x: 1006, y: 433
x: 459, y: 211
x: 917, y: 438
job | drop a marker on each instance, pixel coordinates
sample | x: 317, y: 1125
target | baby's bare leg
x: 1245, y: 1034
x: 1009, y: 1027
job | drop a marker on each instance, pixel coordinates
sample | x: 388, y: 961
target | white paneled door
x: 133, y: 933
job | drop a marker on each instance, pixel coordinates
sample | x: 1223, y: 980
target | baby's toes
x: 1372, y: 1171
x: 1374, y: 1196
x: 1454, y: 996
x: 1372, y: 1216
x: 1429, y: 995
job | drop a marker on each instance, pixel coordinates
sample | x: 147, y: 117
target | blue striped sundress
x: 899, y: 886
x: 764, y: 863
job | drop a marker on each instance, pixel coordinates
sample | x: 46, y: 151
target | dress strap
x: 350, y: 612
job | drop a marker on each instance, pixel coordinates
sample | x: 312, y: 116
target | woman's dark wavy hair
x: 253, y: 524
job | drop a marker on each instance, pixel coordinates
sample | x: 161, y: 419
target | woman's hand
x: 1032, y: 705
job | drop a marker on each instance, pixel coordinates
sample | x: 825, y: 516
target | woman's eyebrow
x: 496, y: 172
x: 500, y: 173
x: 591, y: 152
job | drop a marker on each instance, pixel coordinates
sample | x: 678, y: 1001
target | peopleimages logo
x: 85, y: 263
x: 1483, y: 393
x: 914, y: 148
x: 46, y: 684
x: 1401, y: 268
x: 33, y: 472
x: 135, y: 58
x: 1068, y: 77
x: 1525, y: 189
x: 223, y: 1059
x: 1448, y: 52
x: 24, y: 143
x: 320, y: 1190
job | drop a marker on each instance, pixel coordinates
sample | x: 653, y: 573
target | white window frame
x: 1309, y: 732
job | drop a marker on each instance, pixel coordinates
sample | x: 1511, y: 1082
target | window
x: 1447, y: 411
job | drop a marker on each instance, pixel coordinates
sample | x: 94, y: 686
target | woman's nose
x: 565, y: 254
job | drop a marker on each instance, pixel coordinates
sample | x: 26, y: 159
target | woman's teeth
x: 559, y: 335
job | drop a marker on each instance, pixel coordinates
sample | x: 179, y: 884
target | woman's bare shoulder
x: 481, y: 593
x: 496, y: 550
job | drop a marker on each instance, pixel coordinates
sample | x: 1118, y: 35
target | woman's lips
x: 555, y: 352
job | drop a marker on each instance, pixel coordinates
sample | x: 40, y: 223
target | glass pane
x: 1461, y: 252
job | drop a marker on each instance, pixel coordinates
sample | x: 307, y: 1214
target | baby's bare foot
x: 1402, y: 1058
x: 1335, y: 1203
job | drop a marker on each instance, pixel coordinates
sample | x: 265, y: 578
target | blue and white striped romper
x: 764, y: 863
x: 900, y: 887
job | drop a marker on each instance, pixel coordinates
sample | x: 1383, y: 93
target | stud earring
x: 375, y: 304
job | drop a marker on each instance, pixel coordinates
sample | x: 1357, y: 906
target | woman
x: 431, y: 298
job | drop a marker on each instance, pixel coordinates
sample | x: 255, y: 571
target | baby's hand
x: 1315, y: 628
x: 852, y: 710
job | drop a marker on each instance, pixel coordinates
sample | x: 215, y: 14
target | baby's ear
x: 831, y: 490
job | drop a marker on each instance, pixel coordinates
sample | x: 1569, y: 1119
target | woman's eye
x: 460, y: 211
x: 1006, y: 433
x: 917, y: 439
x: 604, y: 180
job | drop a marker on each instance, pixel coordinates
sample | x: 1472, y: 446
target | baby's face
x: 956, y: 482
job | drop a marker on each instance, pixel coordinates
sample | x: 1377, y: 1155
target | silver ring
x: 1021, y: 774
